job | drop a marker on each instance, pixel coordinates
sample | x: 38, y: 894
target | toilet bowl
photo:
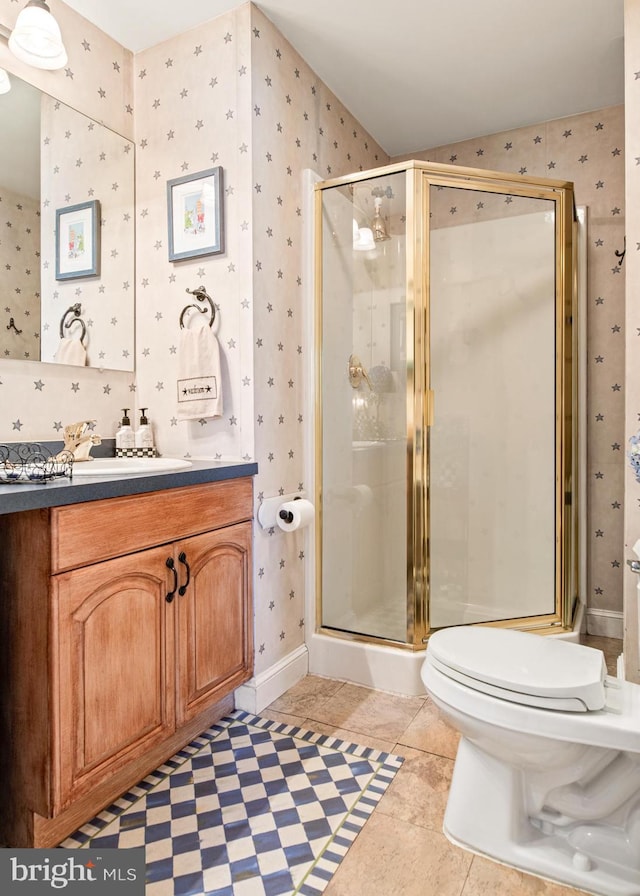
x: 547, y: 774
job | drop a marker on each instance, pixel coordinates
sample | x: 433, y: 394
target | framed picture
x: 196, y: 220
x: 78, y: 241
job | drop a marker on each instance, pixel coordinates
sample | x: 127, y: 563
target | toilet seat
x: 520, y: 668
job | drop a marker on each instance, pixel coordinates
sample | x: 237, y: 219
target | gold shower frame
x: 420, y: 176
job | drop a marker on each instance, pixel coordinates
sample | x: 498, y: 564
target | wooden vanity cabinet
x: 114, y: 665
x: 149, y: 630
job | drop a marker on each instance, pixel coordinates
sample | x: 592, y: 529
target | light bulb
x: 36, y: 38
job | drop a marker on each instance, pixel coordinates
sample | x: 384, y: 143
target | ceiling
x: 423, y: 73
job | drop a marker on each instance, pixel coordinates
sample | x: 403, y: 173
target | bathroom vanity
x: 126, y: 624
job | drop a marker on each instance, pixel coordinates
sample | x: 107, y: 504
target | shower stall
x: 446, y: 403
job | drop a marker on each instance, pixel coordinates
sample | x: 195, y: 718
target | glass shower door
x: 493, y: 446
x: 363, y: 376
x: 446, y: 404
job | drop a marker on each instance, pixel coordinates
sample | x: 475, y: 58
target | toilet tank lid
x: 523, y: 662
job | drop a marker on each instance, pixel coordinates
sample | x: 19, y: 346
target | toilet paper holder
x: 269, y: 509
x: 286, y: 515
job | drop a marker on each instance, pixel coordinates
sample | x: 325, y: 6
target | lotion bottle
x: 124, y: 436
x: 144, y: 433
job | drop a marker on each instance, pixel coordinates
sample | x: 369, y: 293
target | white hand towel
x: 199, y: 385
x: 71, y: 351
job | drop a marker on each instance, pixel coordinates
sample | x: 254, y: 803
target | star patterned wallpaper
x: 38, y: 399
x: 234, y: 93
x: 20, y: 266
x: 192, y: 96
x: 632, y: 329
x: 297, y: 124
x: 82, y: 162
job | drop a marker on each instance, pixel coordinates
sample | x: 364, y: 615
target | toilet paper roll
x: 295, y: 515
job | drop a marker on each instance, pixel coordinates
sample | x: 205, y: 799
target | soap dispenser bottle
x: 124, y: 436
x: 144, y: 433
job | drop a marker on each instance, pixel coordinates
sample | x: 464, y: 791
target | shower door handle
x: 430, y: 403
x: 634, y: 566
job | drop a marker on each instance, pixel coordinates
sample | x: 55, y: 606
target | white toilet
x: 547, y: 776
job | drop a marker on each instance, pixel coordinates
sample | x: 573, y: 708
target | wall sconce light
x: 36, y: 38
x: 5, y: 83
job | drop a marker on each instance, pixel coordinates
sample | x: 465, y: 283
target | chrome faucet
x: 79, y: 440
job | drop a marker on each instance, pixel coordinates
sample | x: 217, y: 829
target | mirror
x: 66, y: 235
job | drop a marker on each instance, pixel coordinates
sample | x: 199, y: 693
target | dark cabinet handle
x: 182, y: 557
x: 171, y: 565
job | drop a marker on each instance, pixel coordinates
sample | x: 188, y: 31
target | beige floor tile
x: 285, y: 717
x: 401, y: 850
x: 376, y: 713
x: 393, y: 858
x: 418, y: 793
x: 353, y: 737
x: 611, y: 647
x: 488, y: 878
x: 309, y: 692
x: 429, y: 732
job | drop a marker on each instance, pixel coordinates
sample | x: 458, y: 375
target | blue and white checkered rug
x: 250, y: 808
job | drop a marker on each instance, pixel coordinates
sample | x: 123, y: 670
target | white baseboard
x: 263, y: 689
x: 605, y: 623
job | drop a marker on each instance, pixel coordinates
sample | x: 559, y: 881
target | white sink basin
x: 126, y: 466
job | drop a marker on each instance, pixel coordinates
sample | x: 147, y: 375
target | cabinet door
x: 215, y: 625
x: 113, y: 633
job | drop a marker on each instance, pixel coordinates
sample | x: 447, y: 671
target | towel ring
x: 202, y: 295
x: 76, y: 319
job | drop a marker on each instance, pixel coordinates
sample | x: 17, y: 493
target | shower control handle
x: 357, y: 373
x: 634, y: 566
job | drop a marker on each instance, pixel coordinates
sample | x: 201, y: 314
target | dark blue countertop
x: 63, y: 491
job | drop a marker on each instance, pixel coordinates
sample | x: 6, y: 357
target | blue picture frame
x: 195, y: 215
x: 78, y: 240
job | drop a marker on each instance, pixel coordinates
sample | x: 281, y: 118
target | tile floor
x: 401, y: 851
x: 252, y: 807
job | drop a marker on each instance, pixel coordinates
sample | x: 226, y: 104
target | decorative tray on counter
x: 31, y: 462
